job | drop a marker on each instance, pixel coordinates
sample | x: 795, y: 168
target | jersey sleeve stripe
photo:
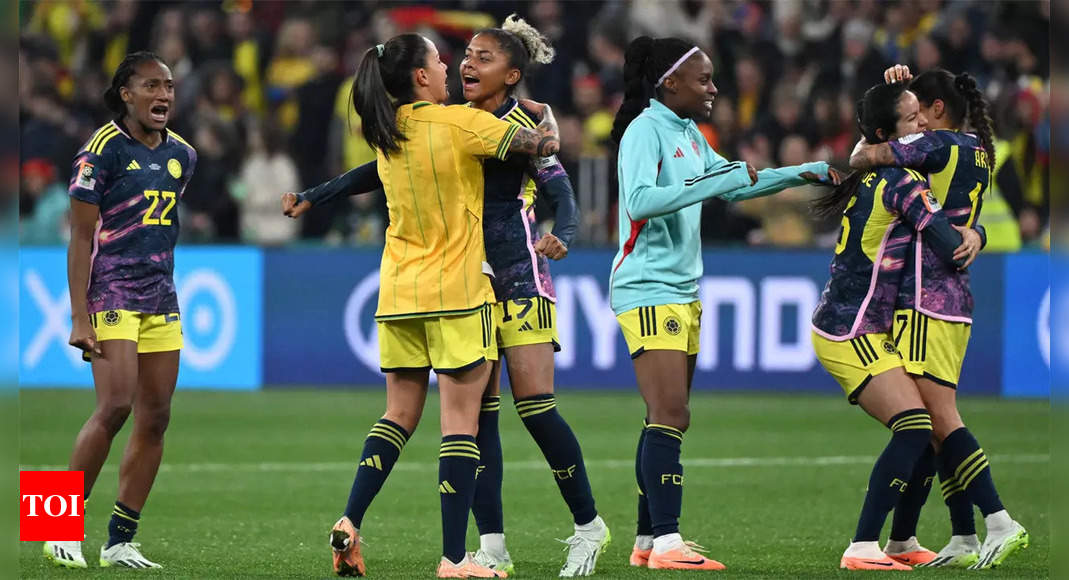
x: 520, y: 117
x: 103, y: 132
x: 506, y: 142
x: 178, y: 138
x: 104, y: 141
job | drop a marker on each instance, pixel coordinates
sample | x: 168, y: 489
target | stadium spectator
x: 281, y: 65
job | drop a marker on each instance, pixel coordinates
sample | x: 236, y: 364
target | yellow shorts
x: 664, y: 327
x: 447, y: 344
x: 932, y: 348
x: 151, y: 332
x: 854, y: 362
x: 526, y: 321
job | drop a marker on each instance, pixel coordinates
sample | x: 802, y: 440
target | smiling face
x: 691, y: 88
x: 149, y: 95
x: 486, y: 70
x: 910, y: 118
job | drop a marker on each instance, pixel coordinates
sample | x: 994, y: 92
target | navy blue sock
x: 457, y: 461
x: 972, y: 474
x: 911, y: 433
x: 381, y: 449
x: 662, y: 473
x: 487, y: 505
x: 962, y: 519
x: 645, y: 525
x: 123, y: 524
x: 908, y: 510
x: 561, y: 450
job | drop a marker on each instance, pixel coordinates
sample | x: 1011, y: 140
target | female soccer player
x: 666, y: 169
x: 496, y: 60
x: 958, y: 167
x: 434, y: 299
x: 124, y: 311
x: 852, y: 335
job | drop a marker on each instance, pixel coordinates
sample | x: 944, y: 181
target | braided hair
x: 112, y: 97
x: 645, y: 61
x: 963, y: 101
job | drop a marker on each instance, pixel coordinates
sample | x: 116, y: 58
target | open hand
x: 551, y: 247
x: 291, y: 208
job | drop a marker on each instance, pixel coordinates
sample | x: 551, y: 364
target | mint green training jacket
x: 666, y: 169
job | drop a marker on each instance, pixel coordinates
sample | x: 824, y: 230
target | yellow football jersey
x: 434, y: 262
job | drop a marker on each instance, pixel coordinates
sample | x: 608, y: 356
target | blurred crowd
x: 263, y: 93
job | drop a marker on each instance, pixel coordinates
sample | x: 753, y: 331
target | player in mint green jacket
x: 666, y: 170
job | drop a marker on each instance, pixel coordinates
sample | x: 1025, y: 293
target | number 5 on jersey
x: 154, y: 196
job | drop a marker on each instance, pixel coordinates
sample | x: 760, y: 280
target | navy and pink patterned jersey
x: 958, y: 172
x: 137, y: 190
x: 510, y: 230
x: 878, y: 228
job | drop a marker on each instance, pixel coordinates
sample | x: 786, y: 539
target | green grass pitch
x: 252, y: 482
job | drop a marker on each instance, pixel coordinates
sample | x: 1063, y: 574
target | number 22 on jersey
x: 154, y: 196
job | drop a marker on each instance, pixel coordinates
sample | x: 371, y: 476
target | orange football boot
x: 345, y: 546
x: 885, y: 563
x: 467, y: 568
x: 685, y: 557
x: 639, y: 557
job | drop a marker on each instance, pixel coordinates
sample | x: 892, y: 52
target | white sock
x: 970, y: 542
x: 662, y: 544
x: 869, y: 550
x: 999, y: 521
x: 590, y: 526
x: 492, y: 543
x: 644, y: 542
x: 901, y: 547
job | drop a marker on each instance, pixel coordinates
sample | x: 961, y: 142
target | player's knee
x: 408, y: 419
x: 943, y: 426
x: 153, y: 422
x: 111, y: 416
x: 677, y: 415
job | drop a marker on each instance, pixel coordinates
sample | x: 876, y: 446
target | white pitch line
x: 820, y: 461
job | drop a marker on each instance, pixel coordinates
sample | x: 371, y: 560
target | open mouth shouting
x: 158, y: 113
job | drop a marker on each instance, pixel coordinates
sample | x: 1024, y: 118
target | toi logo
x: 50, y: 508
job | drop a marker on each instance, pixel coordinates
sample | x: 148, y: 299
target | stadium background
x: 283, y: 308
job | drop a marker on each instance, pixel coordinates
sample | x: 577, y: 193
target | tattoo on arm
x: 543, y: 140
x: 873, y: 155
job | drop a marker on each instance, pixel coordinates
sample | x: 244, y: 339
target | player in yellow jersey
x: 435, y: 294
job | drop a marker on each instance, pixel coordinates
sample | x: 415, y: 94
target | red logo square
x: 51, y: 506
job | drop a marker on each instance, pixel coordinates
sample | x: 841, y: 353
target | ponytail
x: 979, y: 118
x: 834, y: 203
x: 112, y: 97
x: 645, y: 61
x: 383, y: 82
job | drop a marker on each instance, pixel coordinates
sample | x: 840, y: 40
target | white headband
x: 673, y: 68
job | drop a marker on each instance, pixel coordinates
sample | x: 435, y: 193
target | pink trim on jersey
x: 868, y: 297
x: 918, y: 253
x: 530, y: 246
x: 96, y: 249
x: 829, y: 336
x: 872, y: 282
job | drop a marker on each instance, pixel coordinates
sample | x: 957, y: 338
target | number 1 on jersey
x: 154, y: 197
